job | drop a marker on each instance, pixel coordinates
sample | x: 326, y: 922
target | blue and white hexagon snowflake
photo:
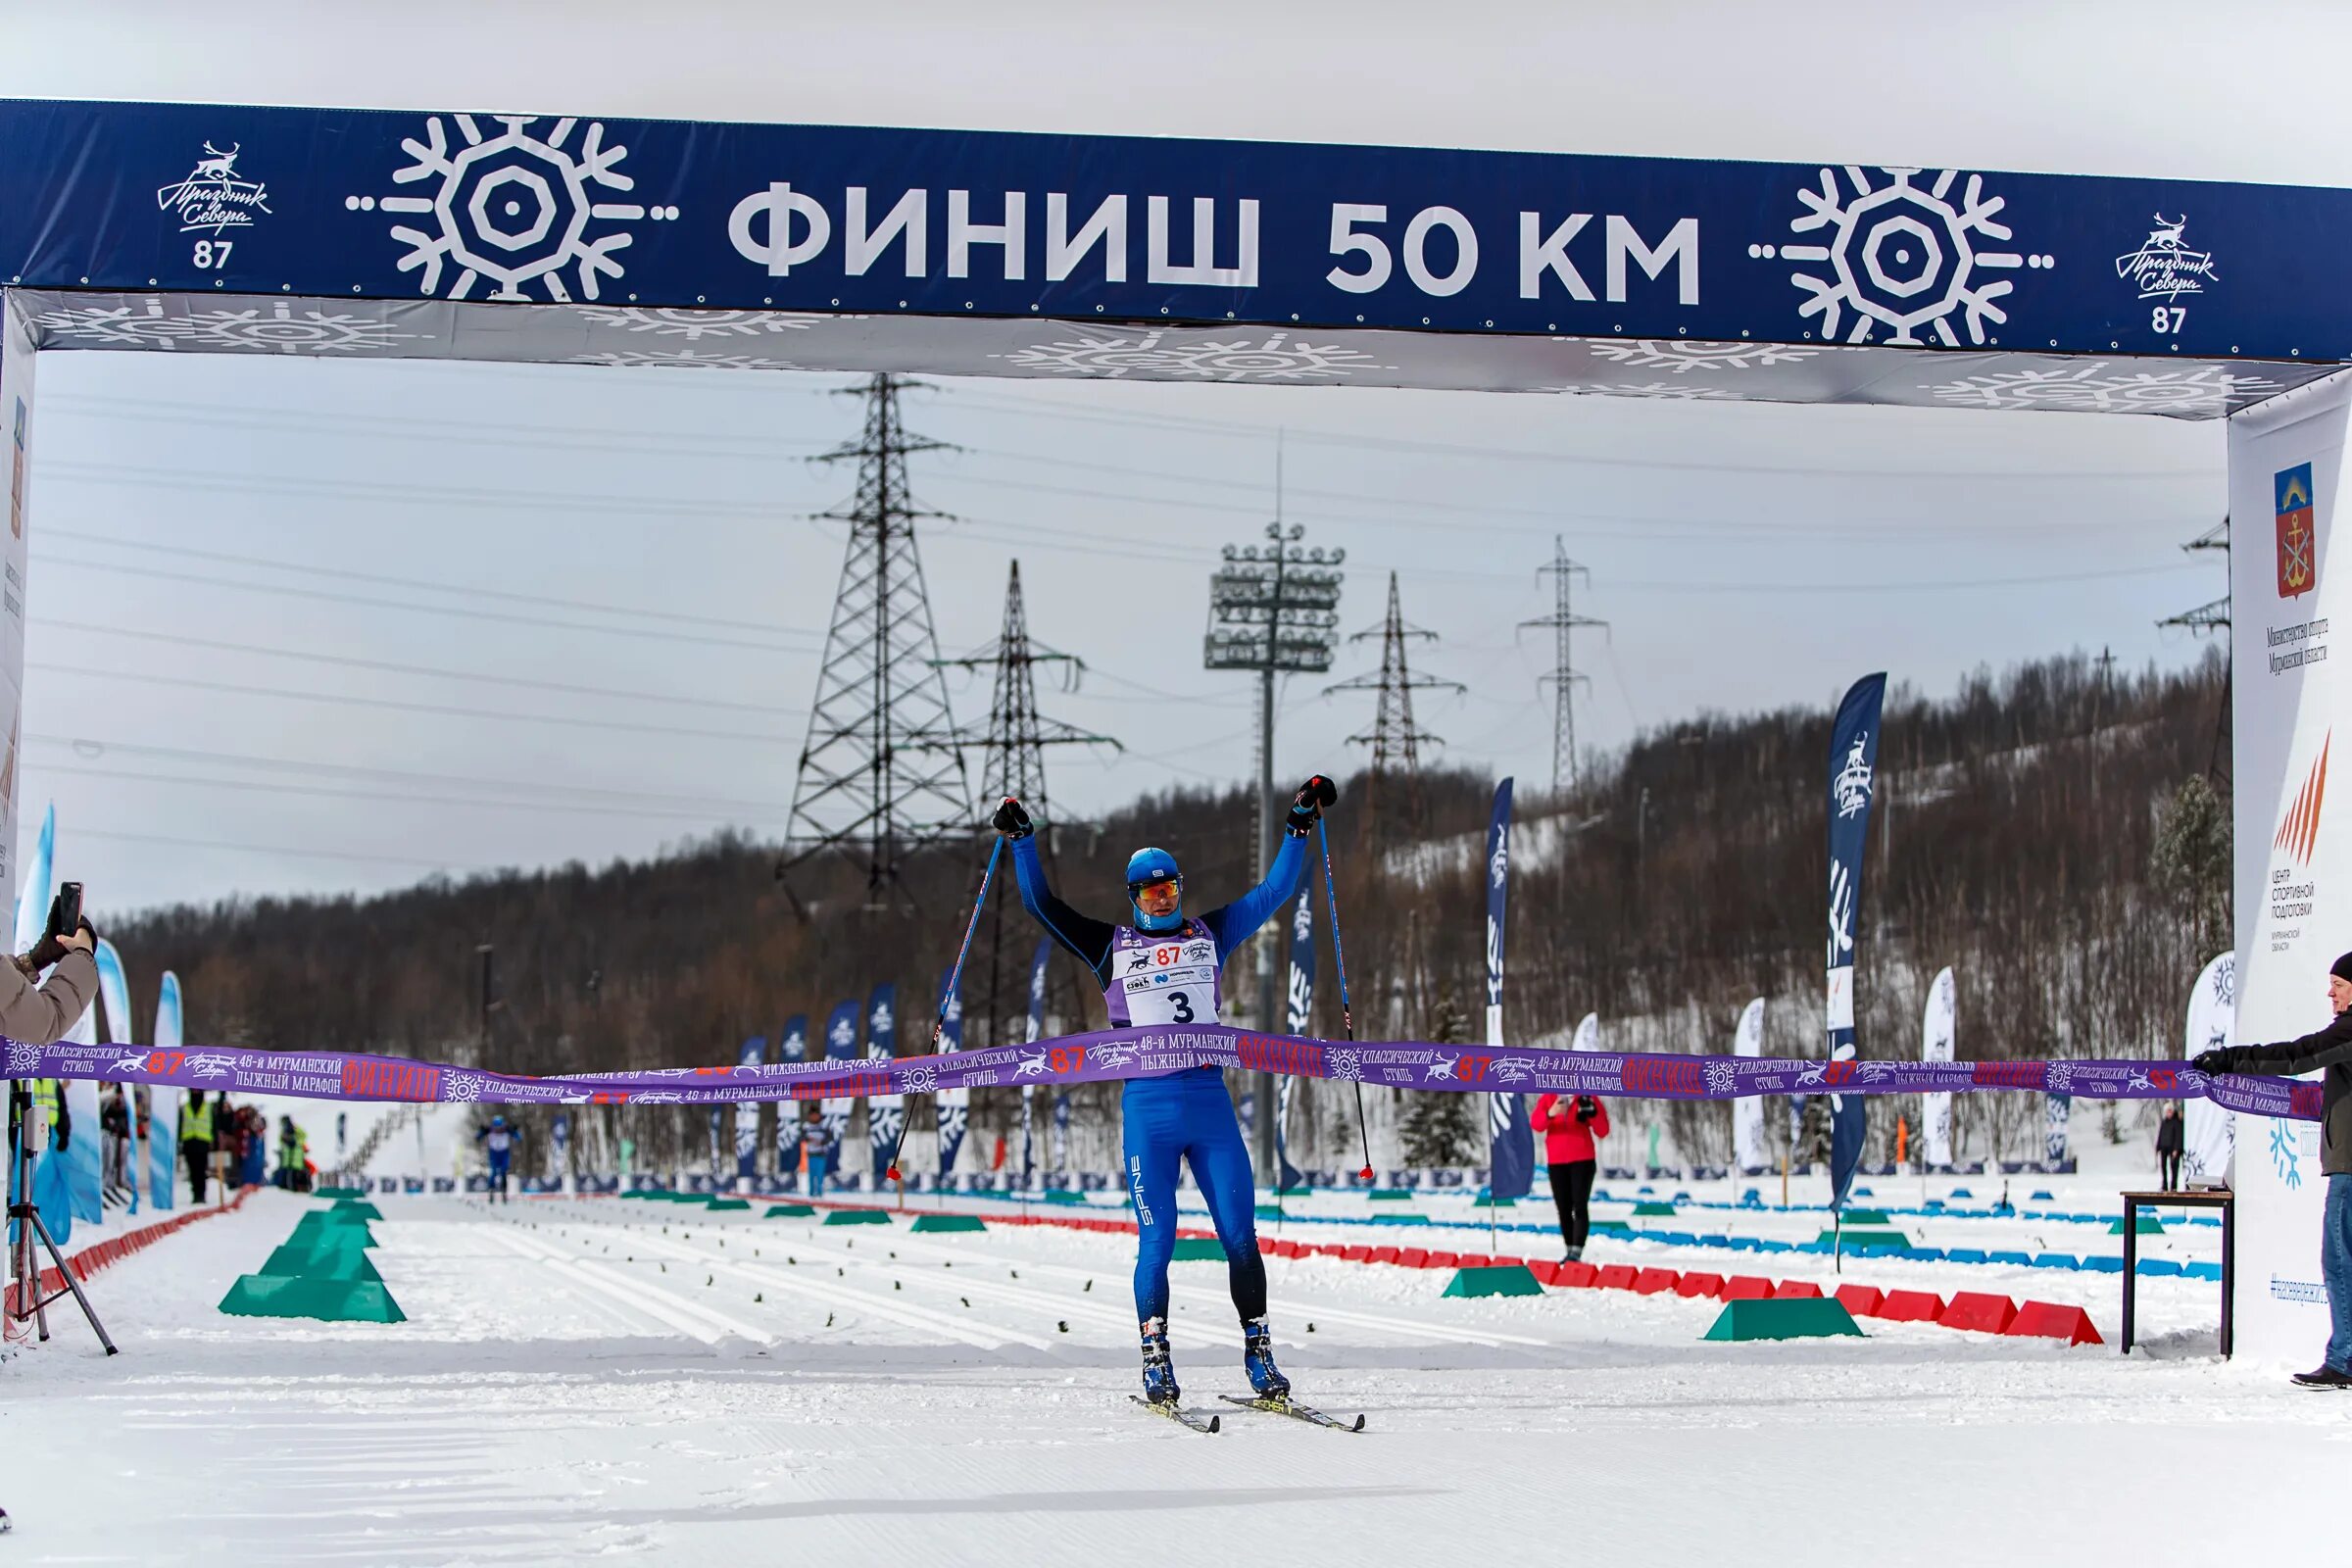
x: 516, y: 207
x: 1899, y: 258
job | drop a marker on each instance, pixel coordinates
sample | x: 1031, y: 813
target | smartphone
x: 69, y: 909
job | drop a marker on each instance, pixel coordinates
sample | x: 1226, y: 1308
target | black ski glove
x: 1587, y: 1107
x: 2215, y: 1062
x: 1307, y: 804
x: 1012, y: 822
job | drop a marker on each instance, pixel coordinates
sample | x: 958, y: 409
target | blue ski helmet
x: 1144, y: 868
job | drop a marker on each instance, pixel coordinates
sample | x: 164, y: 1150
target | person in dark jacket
x: 1572, y: 1127
x: 2330, y: 1049
x: 2172, y: 1138
x: 816, y: 1149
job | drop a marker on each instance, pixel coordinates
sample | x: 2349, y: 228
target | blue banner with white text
x: 1299, y: 1011
x: 575, y: 208
x: 885, y: 1115
x: 1512, y: 1141
x: 1853, y: 786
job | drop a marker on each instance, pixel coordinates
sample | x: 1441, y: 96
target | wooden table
x: 2220, y: 1198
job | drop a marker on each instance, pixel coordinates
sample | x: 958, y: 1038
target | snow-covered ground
x: 598, y: 1376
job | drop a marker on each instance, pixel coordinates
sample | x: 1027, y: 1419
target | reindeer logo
x: 214, y: 198
x: 2164, y: 267
x: 1033, y: 1065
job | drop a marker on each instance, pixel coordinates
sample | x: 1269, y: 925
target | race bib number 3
x: 1175, y: 995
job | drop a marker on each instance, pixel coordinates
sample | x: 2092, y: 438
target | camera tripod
x: 24, y: 1260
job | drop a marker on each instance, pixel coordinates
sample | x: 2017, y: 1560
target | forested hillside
x: 2021, y: 836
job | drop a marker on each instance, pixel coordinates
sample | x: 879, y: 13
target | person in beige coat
x: 37, y: 1013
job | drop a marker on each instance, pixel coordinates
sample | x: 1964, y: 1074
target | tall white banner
x: 1936, y: 1032
x: 1748, y: 1112
x: 2209, y: 1134
x: 1588, y: 1033
x: 2293, y: 861
x: 16, y: 431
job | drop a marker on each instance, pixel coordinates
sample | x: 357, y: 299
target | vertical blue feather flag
x: 1037, y: 1027
x: 884, y: 1113
x: 952, y: 1106
x: 1853, y: 785
x: 792, y: 1044
x: 747, y: 1117
x: 1512, y: 1141
x: 841, y: 1044
x: 1298, y: 1015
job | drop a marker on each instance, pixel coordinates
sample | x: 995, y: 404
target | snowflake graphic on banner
x: 2093, y: 389
x: 1900, y: 259
x: 515, y: 207
x: 1110, y: 354
x: 2285, y: 1156
x: 921, y: 1080
x: 278, y: 326
x: 1346, y: 1066
x: 1669, y: 391
x: 22, y: 1059
x: 1722, y: 1079
x: 142, y: 325
x: 2060, y: 1079
x: 464, y: 1087
x: 1653, y: 354
x: 695, y: 326
x: 683, y: 360
x: 287, y: 330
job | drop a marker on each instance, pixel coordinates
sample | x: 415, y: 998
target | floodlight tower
x: 1274, y: 609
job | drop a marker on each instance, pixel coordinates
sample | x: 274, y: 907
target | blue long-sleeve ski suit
x: 1185, y: 1115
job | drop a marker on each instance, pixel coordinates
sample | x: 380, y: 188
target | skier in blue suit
x: 498, y: 1139
x: 1163, y: 970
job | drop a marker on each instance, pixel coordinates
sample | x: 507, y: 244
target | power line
x: 347, y: 662
x: 179, y: 843
x: 146, y: 678
x: 321, y: 792
x: 90, y: 749
x: 83, y: 536
x: 324, y: 596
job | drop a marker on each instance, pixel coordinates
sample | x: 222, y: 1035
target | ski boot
x: 1159, y: 1369
x: 1258, y: 1359
x: 1575, y: 1255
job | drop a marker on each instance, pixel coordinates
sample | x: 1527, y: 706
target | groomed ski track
x: 657, y: 1382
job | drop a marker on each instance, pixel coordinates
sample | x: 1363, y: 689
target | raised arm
x: 1238, y: 922
x: 1087, y: 939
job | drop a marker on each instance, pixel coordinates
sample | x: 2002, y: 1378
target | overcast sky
x: 546, y: 613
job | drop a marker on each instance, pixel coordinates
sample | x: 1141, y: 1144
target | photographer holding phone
x: 37, y: 1013
x: 1572, y: 1126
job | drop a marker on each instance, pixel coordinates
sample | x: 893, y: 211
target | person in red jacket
x: 1572, y: 1127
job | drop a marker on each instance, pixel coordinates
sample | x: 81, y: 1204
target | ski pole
x: 938, y: 1019
x: 1331, y: 895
